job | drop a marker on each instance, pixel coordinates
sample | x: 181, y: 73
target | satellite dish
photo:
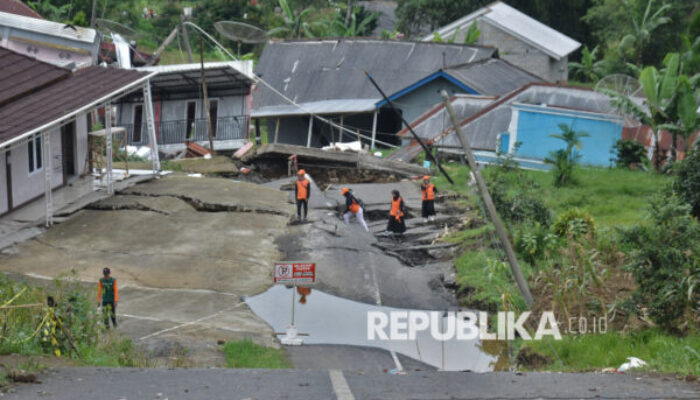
x: 111, y: 27
x: 241, y: 32
x: 623, y: 85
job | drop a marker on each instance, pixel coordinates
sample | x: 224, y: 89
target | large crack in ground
x: 202, y: 206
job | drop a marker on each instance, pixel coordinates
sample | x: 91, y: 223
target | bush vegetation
x: 72, y: 328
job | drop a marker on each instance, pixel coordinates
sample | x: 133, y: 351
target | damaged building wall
x: 295, y: 129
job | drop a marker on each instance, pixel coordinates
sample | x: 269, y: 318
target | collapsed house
x: 53, y: 42
x: 520, y: 39
x: 46, y: 117
x: 521, y: 122
x: 327, y: 78
x: 180, y: 112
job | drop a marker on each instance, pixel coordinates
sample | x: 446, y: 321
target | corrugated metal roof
x: 77, y: 33
x: 483, y: 127
x: 59, y: 100
x: 492, y: 76
x: 242, y: 67
x: 318, y: 70
x: 18, y: 8
x: 220, y: 75
x: 22, y: 75
x: 317, y: 107
x: 512, y: 21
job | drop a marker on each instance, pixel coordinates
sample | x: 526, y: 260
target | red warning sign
x: 295, y: 273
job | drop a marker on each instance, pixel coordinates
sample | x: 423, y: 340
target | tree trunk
x: 657, y: 151
x: 673, y: 148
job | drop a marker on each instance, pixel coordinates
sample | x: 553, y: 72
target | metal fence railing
x: 175, y: 132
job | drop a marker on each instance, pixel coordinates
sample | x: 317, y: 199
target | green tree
x: 665, y: 263
x: 564, y: 160
x: 361, y: 23
x: 644, y: 27
x: 686, y: 109
x: 660, y: 89
x: 687, y: 181
x: 609, y: 21
x: 590, y: 69
x: 295, y: 22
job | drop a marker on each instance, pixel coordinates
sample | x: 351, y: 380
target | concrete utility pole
x: 512, y: 259
x: 186, y: 36
x: 206, y: 95
x: 93, y: 16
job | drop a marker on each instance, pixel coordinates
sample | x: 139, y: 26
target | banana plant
x: 590, y: 69
x: 643, y: 29
x: 658, y: 110
x: 294, y: 23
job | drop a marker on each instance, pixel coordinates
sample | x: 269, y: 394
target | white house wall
x: 26, y: 186
x: 3, y: 184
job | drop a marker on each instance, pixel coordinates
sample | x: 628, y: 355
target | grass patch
x: 246, y: 354
x: 613, y: 196
x: 663, y: 352
x: 487, y: 282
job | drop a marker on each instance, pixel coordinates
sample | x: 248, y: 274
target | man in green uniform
x: 108, y: 296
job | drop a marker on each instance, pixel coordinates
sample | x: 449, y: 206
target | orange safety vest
x: 396, y: 208
x: 428, y: 192
x: 354, y: 206
x: 302, y: 186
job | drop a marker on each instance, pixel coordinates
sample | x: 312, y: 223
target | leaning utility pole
x: 93, y: 16
x: 512, y: 259
x: 186, y: 37
x: 206, y: 94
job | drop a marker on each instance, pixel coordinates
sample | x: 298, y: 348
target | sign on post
x: 295, y: 273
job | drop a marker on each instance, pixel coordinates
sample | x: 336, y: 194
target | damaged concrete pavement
x: 185, y: 251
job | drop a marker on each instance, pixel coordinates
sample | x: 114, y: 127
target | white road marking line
x: 340, y: 385
x: 198, y: 320
x: 378, y: 299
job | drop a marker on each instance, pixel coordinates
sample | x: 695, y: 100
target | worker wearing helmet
x: 302, y: 192
x: 353, y: 207
x: 428, y: 191
x: 397, y: 223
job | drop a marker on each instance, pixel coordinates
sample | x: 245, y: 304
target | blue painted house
x: 535, y: 123
x: 530, y: 115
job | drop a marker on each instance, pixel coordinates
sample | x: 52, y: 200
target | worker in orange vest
x: 397, y: 223
x: 302, y: 192
x: 428, y: 207
x: 353, y: 207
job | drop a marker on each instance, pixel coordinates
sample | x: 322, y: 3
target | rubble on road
x: 276, y: 160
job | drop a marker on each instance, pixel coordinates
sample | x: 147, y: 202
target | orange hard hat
x: 301, y: 172
x: 427, y: 177
x: 344, y: 190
